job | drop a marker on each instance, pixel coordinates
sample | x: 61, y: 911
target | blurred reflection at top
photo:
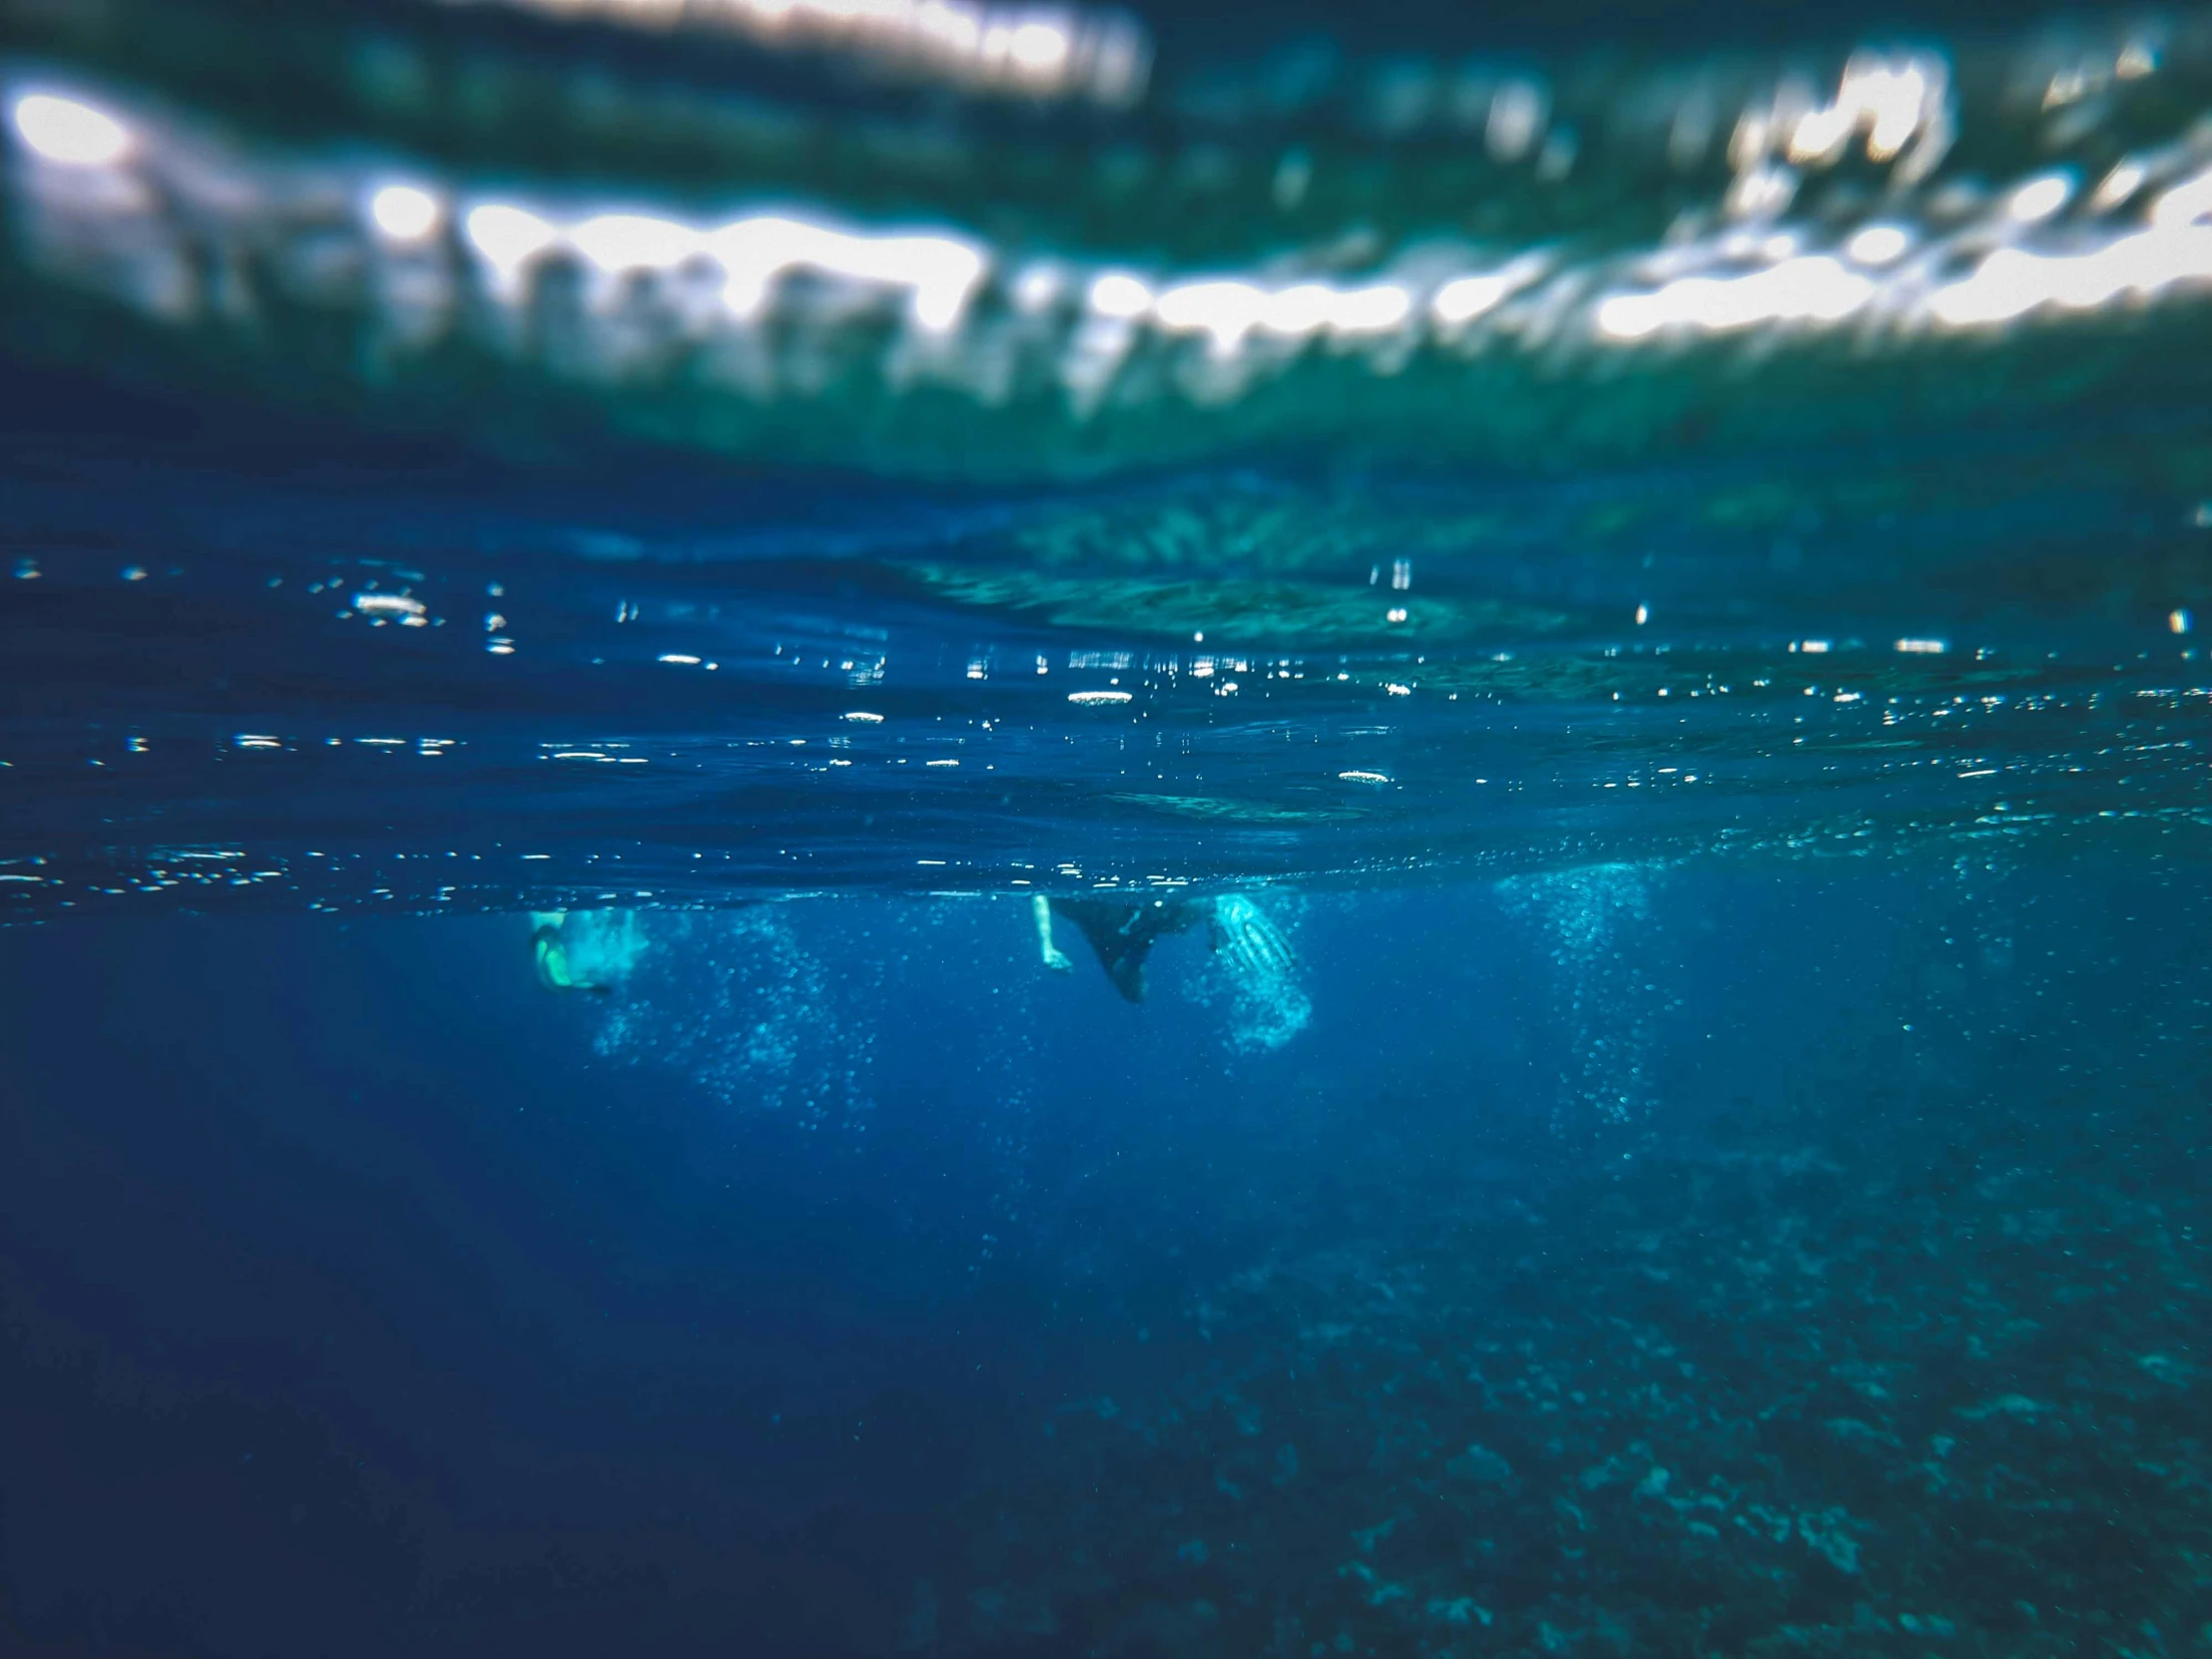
x: 1527, y: 259
x: 1032, y: 52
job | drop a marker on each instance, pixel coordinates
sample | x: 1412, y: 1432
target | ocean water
x: 985, y: 830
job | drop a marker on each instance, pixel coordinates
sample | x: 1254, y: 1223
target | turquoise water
x: 1001, y: 831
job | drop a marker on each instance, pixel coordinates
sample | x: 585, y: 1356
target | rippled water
x: 1359, y: 462
x: 370, y: 679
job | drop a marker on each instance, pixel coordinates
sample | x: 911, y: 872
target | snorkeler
x: 549, y: 955
x: 1122, y: 935
x: 585, y: 949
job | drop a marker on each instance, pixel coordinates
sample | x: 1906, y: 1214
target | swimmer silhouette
x: 1120, y: 935
x: 549, y: 955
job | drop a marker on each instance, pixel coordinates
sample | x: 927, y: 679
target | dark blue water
x: 359, y: 1298
x: 1005, y: 832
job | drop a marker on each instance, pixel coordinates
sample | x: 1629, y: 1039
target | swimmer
x: 1120, y: 935
x: 549, y: 953
x: 586, y: 950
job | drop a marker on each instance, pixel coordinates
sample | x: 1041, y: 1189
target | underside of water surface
x: 1338, y: 461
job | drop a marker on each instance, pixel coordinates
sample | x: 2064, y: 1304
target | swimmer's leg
x: 1253, y: 944
x: 1040, y: 913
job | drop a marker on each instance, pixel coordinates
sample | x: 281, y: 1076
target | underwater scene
x: 863, y: 827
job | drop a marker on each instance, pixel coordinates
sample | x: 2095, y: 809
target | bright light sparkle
x: 1877, y: 245
x: 2038, y: 199
x: 405, y: 212
x: 1815, y: 289
x: 507, y: 237
x: 1464, y: 299
x: 2117, y: 186
x: 67, y: 131
x: 1119, y: 295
